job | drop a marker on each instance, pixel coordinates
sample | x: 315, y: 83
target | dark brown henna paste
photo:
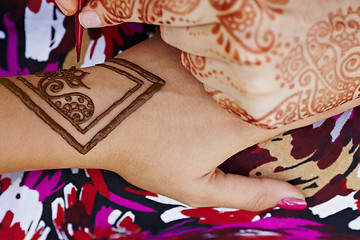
x: 76, y: 113
x: 77, y: 107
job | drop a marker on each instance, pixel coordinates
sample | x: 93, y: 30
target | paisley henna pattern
x: 240, y: 30
x: 233, y: 107
x: 240, y: 25
x: 223, y: 5
x: 119, y: 8
x: 75, y: 106
x: 152, y: 11
x: 193, y: 63
x: 115, y: 11
x: 325, y: 69
x: 149, y: 11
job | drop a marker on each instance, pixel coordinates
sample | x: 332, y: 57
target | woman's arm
x: 35, y: 134
x: 171, y: 145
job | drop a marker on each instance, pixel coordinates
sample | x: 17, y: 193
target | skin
x: 162, y: 147
x: 65, y: 92
x: 269, y: 62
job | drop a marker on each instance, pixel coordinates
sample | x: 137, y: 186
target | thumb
x: 68, y: 7
x: 99, y: 13
x: 249, y: 193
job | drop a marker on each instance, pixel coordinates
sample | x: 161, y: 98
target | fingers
x: 99, y: 13
x: 240, y: 32
x: 218, y: 41
x: 68, y: 7
x: 223, y: 76
x: 94, y: 15
x: 197, y: 40
x: 252, y: 194
x: 249, y: 94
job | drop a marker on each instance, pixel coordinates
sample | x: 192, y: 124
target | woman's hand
x: 271, y: 62
x: 171, y: 145
x: 174, y: 144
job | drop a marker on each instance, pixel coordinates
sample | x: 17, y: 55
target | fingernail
x: 292, y: 204
x: 61, y: 7
x: 89, y: 19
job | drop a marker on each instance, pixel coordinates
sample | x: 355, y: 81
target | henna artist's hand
x: 271, y: 62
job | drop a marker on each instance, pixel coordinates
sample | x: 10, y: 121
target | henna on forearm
x: 68, y: 97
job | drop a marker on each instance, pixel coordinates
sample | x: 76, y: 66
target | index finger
x: 159, y: 12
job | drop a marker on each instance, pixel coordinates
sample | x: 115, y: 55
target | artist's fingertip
x: 68, y: 8
x: 62, y: 9
x: 163, y: 32
x: 89, y: 19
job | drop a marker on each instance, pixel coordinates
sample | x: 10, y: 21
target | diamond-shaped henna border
x: 157, y: 84
x: 41, y: 92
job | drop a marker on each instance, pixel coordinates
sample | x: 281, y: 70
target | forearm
x: 27, y: 142
x: 42, y: 125
x: 47, y: 124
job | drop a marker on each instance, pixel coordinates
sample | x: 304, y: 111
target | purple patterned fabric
x: 94, y: 204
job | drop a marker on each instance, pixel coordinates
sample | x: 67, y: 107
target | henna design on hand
x: 324, y: 71
x: 193, y: 63
x: 232, y: 106
x: 150, y: 11
x: 240, y: 26
x: 240, y: 31
x: 115, y: 10
x: 77, y: 107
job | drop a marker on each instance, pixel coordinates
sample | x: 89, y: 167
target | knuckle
x: 256, y: 204
x: 265, y: 111
x: 260, y: 199
x: 259, y: 86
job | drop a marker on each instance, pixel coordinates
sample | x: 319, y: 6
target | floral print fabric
x: 321, y: 159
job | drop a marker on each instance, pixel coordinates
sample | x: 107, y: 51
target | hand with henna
x: 270, y: 62
x: 171, y: 145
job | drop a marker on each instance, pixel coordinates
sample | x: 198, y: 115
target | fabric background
x: 321, y: 159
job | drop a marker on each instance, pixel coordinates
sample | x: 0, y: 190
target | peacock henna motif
x: 76, y: 107
x: 57, y: 90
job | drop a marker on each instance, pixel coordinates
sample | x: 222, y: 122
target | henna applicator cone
x: 79, y: 30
